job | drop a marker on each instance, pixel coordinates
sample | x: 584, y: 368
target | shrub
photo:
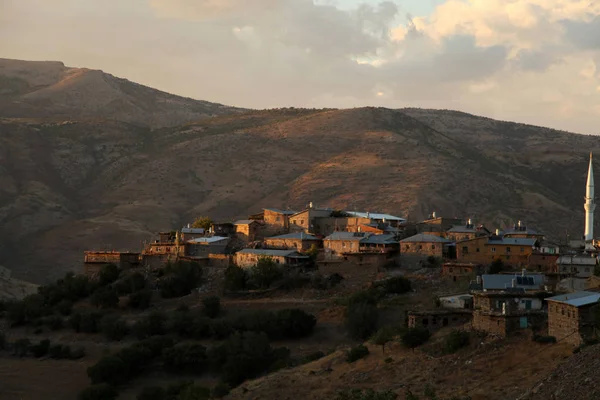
x: 456, y: 340
x: 202, y: 222
x: 114, y: 328
x: 181, y: 278
x: 295, y: 323
x: 370, y: 296
x: 156, y: 344
x: 433, y: 261
x: 2, y: 340
x: 109, y: 369
x: 414, y: 337
x: 221, y: 329
x: 185, y: 358
x: 54, y: 322
x: 189, y: 325
x: 496, y: 266
x: 135, y: 358
x: 140, y: 300
x: 194, y: 392
x: 220, y: 390
x: 105, y: 297
x: 40, y: 349
x: 131, y: 284
x: 108, y: 274
x: 21, y: 347
x: 383, y: 336
x: 313, y: 357
x: 152, y: 393
x: 211, y: 306
x: 86, y: 322
x: 544, y: 339
x: 65, y: 307
x: 265, y: 272
x: 356, y: 353
x: 397, y: 285
x: 236, y: 278
x: 367, y: 394
x: 153, y: 324
x: 102, y: 391
x: 361, y: 319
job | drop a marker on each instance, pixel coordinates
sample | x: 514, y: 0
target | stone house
x: 277, y: 221
x: 378, y: 218
x: 503, y: 313
x: 189, y: 233
x: 203, y: 246
x: 306, y: 220
x: 300, y: 241
x: 484, y: 250
x: 437, y: 319
x: 223, y: 229
x: 246, y: 229
x: 425, y: 245
x: 465, y: 232
x: 343, y: 242
x: 437, y: 225
x: 463, y: 301
x: 93, y: 261
x: 520, y: 230
x: 457, y: 271
x: 385, y: 243
x: 579, y: 268
x: 571, y: 316
x: 542, y: 262
x: 522, y: 281
x: 249, y: 257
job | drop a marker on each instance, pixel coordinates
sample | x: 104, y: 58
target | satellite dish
x: 517, y: 300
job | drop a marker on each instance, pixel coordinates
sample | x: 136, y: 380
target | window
x: 278, y: 218
x: 433, y: 247
x: 493, y: 249
x: 301, y: 222
x: 508, y: 257
x: 425, y: 321
x: 508, y: 249
x: 522, y: 249
x: 465, y: 250
x: 477, y: 250
x: 420, y: 247
x: 343, y: 244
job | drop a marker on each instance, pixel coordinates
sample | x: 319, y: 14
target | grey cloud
x: 537, y: 60
x: 585, y: 35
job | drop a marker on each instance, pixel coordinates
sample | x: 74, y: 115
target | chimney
x: 523, y: 272
x: 519, y: 223
x: 513, y: 282
x: 368, y: 215
x: 433, y: 215
x: 497, y: 232
x: 188, y: 225
x: 310, y: 205
x: 479, y: 279
x: 469, y: 222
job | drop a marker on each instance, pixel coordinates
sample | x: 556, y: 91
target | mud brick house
x: 504, y: 313
x: 306, y: 220
x: 203, y: 246
x: 189, y: 233
x: 579, y: 267
x: 93, y: 261
x: 437, y: 319
x: 571, y: 316
x: 385, y: 243
x: 378, y: 218
x: 484, y: 250
x: 343, y: 242
x: 425, y: 245
x: 437, y: 226
x: 246, y: 229
x: 299, y: 240
x: 520, y: 230
x: 542, y: 262
x: 457, y: 271
x: 465, y: 232
x: 249, y: 257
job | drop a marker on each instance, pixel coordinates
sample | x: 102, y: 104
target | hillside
x: 70, y: 184
x: 51, y: 90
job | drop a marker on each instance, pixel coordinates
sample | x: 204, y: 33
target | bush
x: 265, y: 272
x: 194, y: 392
x: 102, y: 391
x: 65, y: 307
x: 114, y: 328
x: 21, y: 347
x: 86, y: 322
x: 60, y: 352
x: 109, y: 369
x: 456, y: 340
x: 135, y: 358
x: 2, y: 340
x: 383, y: 336
x: 189, y: 325
x: 211, y: 306
x: 295, y: 323
x: 544, y: 339
x: 496, y: 266
x: 370, y: 296
x: 156, y: 344
x: 140, y: 300
x: 181, y: 278
x: 131, y: 284
x: 152, y: 393
x: 356, y: 353
x: 313, y: 357
x: 397, y: 285
x: 220, y: 390
x: 361, y: 320
x: 54, y: 322
x: 153, y: 324
x: 221, y: 329
x: 414, y: 337
x: 108, y: 274
x: 367, y: 394
x: 105, y: 297
x: 40, y: 349
x: 236, y: 278
x: 185, y: 358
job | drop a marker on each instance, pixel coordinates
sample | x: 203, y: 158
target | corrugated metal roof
x: 576, y: 260
x: 211, y: 239
x: 504, y: 241
x: 577, y: 299
x: 274, y: 253
x: 425, y: 238
x: 192, y: 230
x: 343, y: 235
x: 462, y: 229
x: 284, y: 212
x: 244, y: 222
x: 504, y: 281
x: 379, y: 239
x: 295, y: 236
x: 371, y: 215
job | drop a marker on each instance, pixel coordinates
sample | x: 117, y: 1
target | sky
x: 532, y: 61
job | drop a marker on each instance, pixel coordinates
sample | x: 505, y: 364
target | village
x: 506, y: 281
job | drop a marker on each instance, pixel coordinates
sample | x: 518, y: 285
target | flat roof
x: 577, y: 299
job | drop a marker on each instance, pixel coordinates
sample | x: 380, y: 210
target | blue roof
x: 504, y: 281
x: 577, y: 299
x: 371, y: 215
x: 507, y: 241
x: 424, y: 238
x: 295, y: 236
x: 380, y: 239
x: 192, y: 230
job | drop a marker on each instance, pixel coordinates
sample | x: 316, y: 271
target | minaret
x: 590, y: 204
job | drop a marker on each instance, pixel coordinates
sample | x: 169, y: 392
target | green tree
x: 397, y: 285
x: 456, y: 340
x: 356, y: 353
x: 153, y: 324
x: 105, y: 297
x: 114, y: 328
x: 383, y: 336
x: 211, y: 306
x: 496, y: 266
x: 236, y: 278
x: 265, y: 272
x: 108, y: 274
x: 295, y: 323
x: 361, y: 319
x: 414, y: 337
x: 181, y: 278
x: 140, y: 300
x: 202, y: 222
x: 102, y: 391
x: 188, y: 357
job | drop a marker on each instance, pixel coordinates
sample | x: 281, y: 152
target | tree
x: 181, y: 278
x: 456, y: 340
x: 397, y: 285
x: 40, y: 349
x: 356, y: 353
x: 140, y: 300
x: 105, y: 297
x: 152, y: 393
x: 211, y: 306
x: 109, y: 369
x: 102, y: 391
x: 496, y: 266
x: 243, y: 356
x: 236, y: 278
x: 114, y: 328
x: 414, y: 337
x: 108, y: 274
x: 383, y: 336
x: 265, y: 272
x: 202, y: 222
x: 361, y: 320
x: 295, y: 323
x: 152, y: 324
x: 188, y: 357
x: 21, y: 347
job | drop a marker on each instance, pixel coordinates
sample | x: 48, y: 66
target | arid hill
x: 49, y: 89
x: 77, y: 183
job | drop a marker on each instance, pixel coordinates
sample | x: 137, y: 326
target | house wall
x: 422, y: 248
x: 567, y: 322
x: 457, y: 301
x: 456, y: 236
x: 342, y: 246
x: 300, y: 245
x: 246, y: 260
x: 479, y: 251
x: 542, y: 262
x: 439, y: 225
x: 220, y: 260
x: 95, y: 260
x: 458, y: 271
x: 246, y: 232
x: 493, y: 324
x: 276, y: 219
x: 435, y: 322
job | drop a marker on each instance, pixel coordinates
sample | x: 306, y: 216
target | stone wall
x: 564, y: 322
x: 423, y: 249
x: 436, y: 321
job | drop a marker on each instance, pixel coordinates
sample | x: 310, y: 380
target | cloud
x: 537, y: 61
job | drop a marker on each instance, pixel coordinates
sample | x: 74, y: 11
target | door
x: 528, y: 304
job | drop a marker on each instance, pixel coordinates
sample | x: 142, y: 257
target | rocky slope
x: 67, y: 185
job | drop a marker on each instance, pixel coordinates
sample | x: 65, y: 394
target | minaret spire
x: 590, y: 204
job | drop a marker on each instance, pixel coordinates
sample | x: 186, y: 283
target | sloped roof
x: 504, y: 241
x: 504, y: 281
x: 192, y: 230
x: 379, y: 239
x: 425, y: 238
x: 371, y: 215
x: 577, y: 299
x: 278, y: 211
x: 273, y: 253
x: 244, y: 222
x: 295, y: 236
x: 463, y: 229
x: 211, y: 239
x: 343, y: 235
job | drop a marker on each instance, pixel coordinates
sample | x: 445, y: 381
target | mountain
x: 48, y: 89
x: 76, y: 184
